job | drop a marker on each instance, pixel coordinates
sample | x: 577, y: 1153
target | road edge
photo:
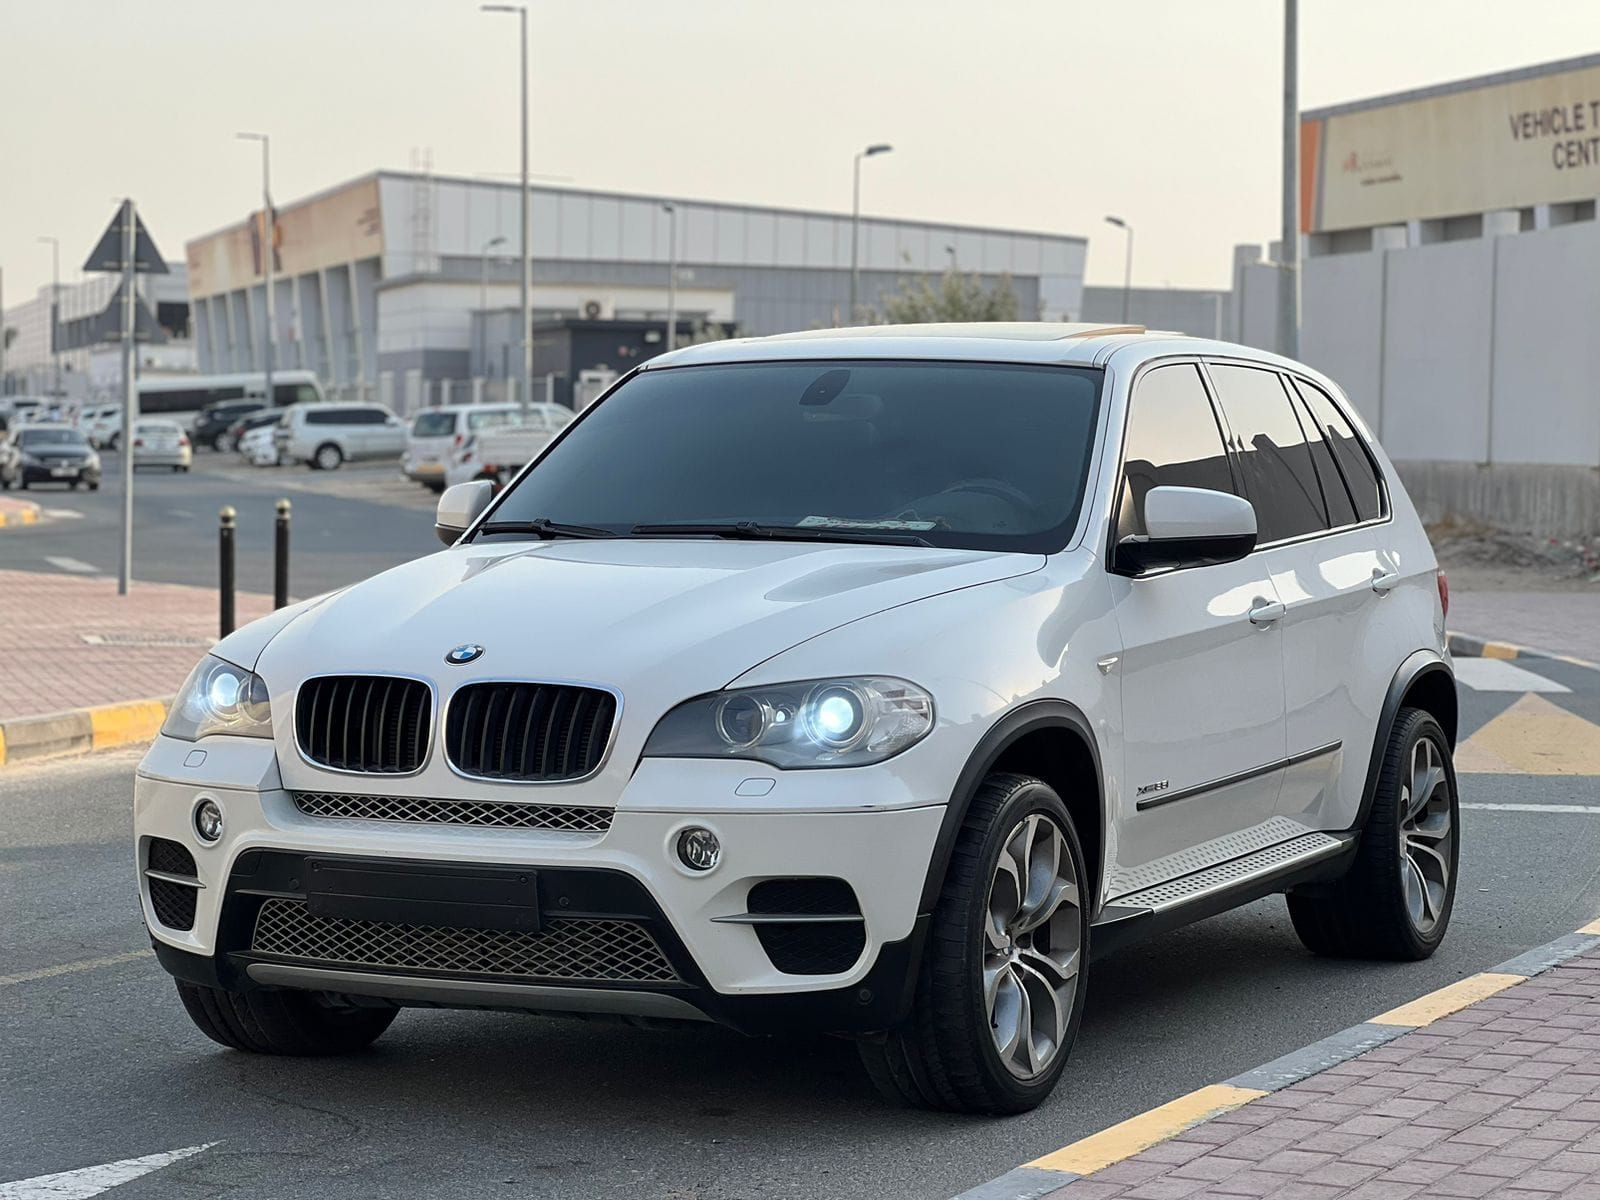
x: 80, y: 730
x: 24, y: 512
x: 1466, y: 646
x: 1081, y: 1159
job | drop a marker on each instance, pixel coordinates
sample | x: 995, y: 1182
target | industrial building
x: 404, y: 286
x: 1451, y: 282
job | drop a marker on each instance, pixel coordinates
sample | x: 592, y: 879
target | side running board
x: 1211, y: 890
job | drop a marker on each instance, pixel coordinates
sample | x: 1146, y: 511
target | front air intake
x: 365, y: 724
x: 173, y: 883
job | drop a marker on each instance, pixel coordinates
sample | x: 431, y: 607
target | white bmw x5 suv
x: 781, y: 692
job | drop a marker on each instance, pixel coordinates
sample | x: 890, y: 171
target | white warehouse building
x: 384, y: 284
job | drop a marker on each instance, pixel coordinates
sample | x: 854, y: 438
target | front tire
x: 1395, y: 901
x: 282, y: 1022
x: 1002, y: 983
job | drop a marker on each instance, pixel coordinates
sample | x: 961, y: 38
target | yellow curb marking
x: 119, y: 724
x: 1591, y: 927
x: 1425, y: 1010
x: 25, y: 516
x: 87, y: 964
x: 1498, y: 650
x: 1124, y: 1140
x: 1532, y: 737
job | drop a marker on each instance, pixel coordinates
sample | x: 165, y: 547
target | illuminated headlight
x: 219, y: 697
x: 813, y: 723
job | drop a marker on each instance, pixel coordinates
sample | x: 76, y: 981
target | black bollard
x: 280, y: 557
x: 225, y: 567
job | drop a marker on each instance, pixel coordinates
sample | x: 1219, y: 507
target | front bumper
x: 720, y: 968
x: 73, y: 473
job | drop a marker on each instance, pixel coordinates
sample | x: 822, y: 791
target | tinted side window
x: 1278, y: 476
x: 327, y: 416
x: 1341, y: 510
x: 1173, y: 441
x: 1360, y: 473
x: 370, y: 416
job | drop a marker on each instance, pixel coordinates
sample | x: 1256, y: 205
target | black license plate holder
x: 457, y: 896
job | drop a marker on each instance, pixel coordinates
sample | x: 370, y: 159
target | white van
x: 324, y: 436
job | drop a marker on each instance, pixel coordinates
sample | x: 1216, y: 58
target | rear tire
x: 999, y: 998
x: 1395, y: 901
x: 327, y: 457
x: 282, y: 1022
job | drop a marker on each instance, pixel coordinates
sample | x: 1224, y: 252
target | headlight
x: 814, y: 723
x: 219, y: 697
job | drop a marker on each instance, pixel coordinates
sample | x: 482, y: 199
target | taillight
x: 182, y: 440
x: 459, y: 439
x: 137, y: 443
x: 1444, y: 593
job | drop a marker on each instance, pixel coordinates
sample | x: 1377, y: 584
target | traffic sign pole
x: 130, y: 398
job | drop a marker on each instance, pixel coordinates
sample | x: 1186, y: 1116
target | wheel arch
x: 1049, y: 739
x: 1423, y: 681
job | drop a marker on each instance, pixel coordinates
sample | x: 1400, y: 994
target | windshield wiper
x: 781, y: 533
x: 544, y: 527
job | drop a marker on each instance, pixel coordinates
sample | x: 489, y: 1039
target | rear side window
x: 325, y: 416
x: 1360, y: 473
x: 488, y: 420
x: 1279, y: 477
x: 434, y: 424
x: 1173, y: 441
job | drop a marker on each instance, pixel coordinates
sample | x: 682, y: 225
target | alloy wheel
x: 1427, y: 835
x: 1033, y: 945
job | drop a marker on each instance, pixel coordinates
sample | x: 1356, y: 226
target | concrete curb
x: 1465, y: 646
x: 1049, y: 1172
x: 80, y: 730
x: 27, y: 514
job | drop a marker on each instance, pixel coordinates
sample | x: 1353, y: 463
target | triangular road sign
x: 107, y: 254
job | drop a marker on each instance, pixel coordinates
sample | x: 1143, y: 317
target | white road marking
x: 91, y: 1181
x: 1497, y: 675
x: 85, y: 964
x: 65, y: 514
x: 1590, y: 809
x: 63, y: 563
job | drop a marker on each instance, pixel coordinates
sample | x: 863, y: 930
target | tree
x: 956, y: 297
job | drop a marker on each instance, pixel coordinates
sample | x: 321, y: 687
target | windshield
x: 50, y: 437
x: 973, y: 455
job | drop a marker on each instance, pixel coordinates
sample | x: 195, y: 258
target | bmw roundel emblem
x: 463, y: 654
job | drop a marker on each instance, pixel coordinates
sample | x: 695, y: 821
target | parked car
x: 858, y: 715
x: 503, y: 451
x: 101, y: 424
x: 258, y: 446
x: 446, y: 437
x: 158, y: 442
x: 16, y: 410
x: 42, y: 453
x: 212, y: 424
x: 325, y: 436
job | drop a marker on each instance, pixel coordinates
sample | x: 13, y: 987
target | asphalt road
x: 347, y: 524
x: 101, y: 1064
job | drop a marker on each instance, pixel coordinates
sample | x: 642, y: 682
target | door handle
x: 1383, y: 581
x: 1266, y: 612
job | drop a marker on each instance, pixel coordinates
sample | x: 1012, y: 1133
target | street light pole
x: 1289, y: 282
x: 527, y: 263
x: 1127, y: 265
x: 483, y: 294
x: 672, y: 276
x: 855, y: 224
x: 55, y: 314
x: 269, y: 232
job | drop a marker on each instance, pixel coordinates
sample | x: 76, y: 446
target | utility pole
x: 269, y: 238
x: 526, y: 390
x: 2, y: 331
x: 672, y: 276
x: 483, y: 295
x: 1289, y: 280
x: 855, y: 225
x: 55, y: 315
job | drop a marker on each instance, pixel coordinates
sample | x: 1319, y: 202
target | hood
x: 609, y: 612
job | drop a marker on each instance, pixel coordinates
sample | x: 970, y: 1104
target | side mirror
x: 459, y: 507
x: 1188, y: 527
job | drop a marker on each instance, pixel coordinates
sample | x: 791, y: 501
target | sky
x: 1026, y: 114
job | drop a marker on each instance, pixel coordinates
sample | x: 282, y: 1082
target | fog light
x: 208, y: 820
x: 699, y: 848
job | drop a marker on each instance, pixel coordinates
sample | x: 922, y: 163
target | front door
x: 1202, y: 662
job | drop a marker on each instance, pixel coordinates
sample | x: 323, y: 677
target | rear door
x: 1202, y: 681
x: 1323, y: 560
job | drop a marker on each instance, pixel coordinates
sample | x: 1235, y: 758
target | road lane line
x: 61, y: 562
x: 91, y: 1181
x: 86, y: 964
x: 1587, y: 809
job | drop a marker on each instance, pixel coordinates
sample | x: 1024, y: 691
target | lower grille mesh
x: 575, y: 951
x: 172, y: 903
x: 565, y: 818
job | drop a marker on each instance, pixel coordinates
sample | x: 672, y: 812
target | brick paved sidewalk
x: 1501, y: 1099
x: 1561, y: 622
x: 68, y: 642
